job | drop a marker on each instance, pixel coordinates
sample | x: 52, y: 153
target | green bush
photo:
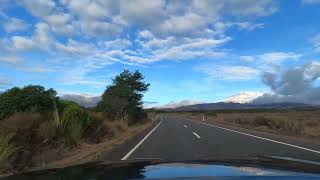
x: 75, y: 114
x: 26, y: 99
x: 62, y: 104
x: 72, y: 134
x: 73, y: 123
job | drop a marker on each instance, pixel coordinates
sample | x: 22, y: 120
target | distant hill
x: 224, y: 105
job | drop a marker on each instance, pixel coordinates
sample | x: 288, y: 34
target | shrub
x: 97, y: 131
x: 62, y: 104
x: 73, y: 134
x: 261, y: 121
x: 74, y: 122
x: 75, y: 115
x: 8, y: 150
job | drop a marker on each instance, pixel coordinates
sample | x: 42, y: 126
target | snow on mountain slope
x: 243, y: 97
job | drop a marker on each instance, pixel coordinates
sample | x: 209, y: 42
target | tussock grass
x: 47, y: 131
x: 8, y: 150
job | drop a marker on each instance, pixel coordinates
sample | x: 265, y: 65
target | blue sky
x: 189, y: 50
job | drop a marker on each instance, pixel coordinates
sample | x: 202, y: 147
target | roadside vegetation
x: 304, y: 123
x: 34, y: 120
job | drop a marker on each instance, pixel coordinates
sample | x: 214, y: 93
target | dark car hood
x: 197, y: 169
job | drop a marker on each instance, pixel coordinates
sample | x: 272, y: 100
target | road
x: 181, y: 139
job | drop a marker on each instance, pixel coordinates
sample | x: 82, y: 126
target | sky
x: 190, y: 51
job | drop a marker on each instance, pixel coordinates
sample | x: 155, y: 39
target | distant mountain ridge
x: 230, y: 106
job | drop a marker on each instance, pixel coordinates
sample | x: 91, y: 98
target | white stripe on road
x: 258, y: 137
x: 196, y: 135
x: 185, y: 126
x: 132, y: 150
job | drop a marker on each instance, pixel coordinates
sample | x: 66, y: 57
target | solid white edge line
x: 133, y: 149
x: 196, y: 135
x: 258, y: 137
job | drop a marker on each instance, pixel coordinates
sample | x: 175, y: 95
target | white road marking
x: 132, y: 150
x: 196, y: 135
x: 185, y: 126
x: 258, y: 137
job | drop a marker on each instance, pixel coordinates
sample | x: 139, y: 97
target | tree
x: 123, y: 98
x: 28, y: 98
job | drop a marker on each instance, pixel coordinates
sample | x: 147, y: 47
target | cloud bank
x: 298, y: 84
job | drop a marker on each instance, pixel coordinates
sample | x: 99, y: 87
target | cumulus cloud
x: 298, y: 84
x: 138, y: 32
x: 15, y: 24
x: 165, y: 30
x: 39, y: 8
x: 40, y: 39
x: 82, y: 99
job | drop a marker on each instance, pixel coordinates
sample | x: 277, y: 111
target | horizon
x: 189, y: 51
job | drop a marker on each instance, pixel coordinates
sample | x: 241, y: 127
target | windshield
x: 169, y: 80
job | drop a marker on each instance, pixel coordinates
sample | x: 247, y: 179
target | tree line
x: 121, y: 100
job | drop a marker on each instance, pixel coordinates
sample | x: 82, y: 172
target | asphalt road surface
x: 173, y: 139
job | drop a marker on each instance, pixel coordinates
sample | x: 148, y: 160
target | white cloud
x: 251, y: 8
x: 10, y: 59
x: 310, y: 2
x: 23, y: 44
x: 143, y: 13
x: 118, y: 44
x: 272, y: 57
x: 39, y: 8
x: 15, y: 24
x: 232, y: 73
x: 132, y: 32
x: 275, y: 57
x: 91, y: 10
x: 61, y: 23
x: 75, y: 48
x: 145, y: 34
x: 316, y: 42
x: 40, y: 40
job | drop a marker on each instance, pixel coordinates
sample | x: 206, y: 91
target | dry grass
x: 21, y: 121
x: 28, y: 139
x: 8, y: 150
x: 47, y: 131
x: 298, y: 123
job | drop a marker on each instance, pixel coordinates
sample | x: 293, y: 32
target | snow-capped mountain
x: 243, y: 97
